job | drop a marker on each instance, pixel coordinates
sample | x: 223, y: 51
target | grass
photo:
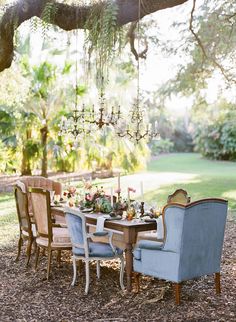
x: 8, y: 219
x: 201, y: 178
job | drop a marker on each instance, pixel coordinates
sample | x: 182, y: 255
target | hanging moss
x: 103, y: 37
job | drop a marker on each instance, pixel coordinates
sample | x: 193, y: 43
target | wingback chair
x: 38, y: 182
x: 27, y: 229
x: 192, y: 246
x: 180, y: 196
x: 87, y: 250
x: 49, y: 235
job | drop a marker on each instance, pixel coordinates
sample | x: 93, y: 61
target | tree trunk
x: 44, y: 138
x: 25, y: 163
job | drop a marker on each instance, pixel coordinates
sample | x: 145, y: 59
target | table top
x: 115, y: 223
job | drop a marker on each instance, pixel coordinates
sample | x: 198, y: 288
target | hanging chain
x: 138, y: 62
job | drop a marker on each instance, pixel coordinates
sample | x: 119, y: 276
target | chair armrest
x: 149, y: 244
x: 99, y: 233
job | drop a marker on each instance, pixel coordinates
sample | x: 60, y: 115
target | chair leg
x: 87, y: 277
x: 217, y: 283
x: 34, y: 246
x: 80, y: 262
x: 49, y: 262
x: 177, y: 287
x: 98, y: 270
x: 37, y: 256
x: 20, y: 242
x: 59, y: 258
x: 122, y: 273
x: 29, y: 246
x: 74, y: 271
x: 137, y: 281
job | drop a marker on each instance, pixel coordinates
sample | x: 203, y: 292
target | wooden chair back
x: 179, y: 196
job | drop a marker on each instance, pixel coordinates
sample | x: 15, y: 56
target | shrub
x: 217, y: 140
x: 161, y: 146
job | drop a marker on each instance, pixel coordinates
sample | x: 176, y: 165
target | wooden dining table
x: 127, y: 229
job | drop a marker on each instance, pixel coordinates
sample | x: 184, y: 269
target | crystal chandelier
x: 84, y: 120
x: 138, y: 128
x: 103, y: 117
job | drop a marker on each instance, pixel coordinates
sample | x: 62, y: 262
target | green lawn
x: 201, y: 178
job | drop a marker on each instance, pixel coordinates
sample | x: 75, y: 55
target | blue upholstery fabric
x: 75, y: 227
x: 193, y: 244
x: 149, y: 244
x: 97, y: 250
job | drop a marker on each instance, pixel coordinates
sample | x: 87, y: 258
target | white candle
x: 141, y: 190
x: 119, y: 181
x: 112, y: 197
x: 128, y: 197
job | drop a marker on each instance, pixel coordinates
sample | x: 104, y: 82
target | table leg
x: 129, y: 265
x: 130, y: 239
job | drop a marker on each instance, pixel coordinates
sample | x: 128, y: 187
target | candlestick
x: 119, y: 181
x: 141, y: 190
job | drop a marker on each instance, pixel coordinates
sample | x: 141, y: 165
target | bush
x: 161, y: 146
x: 217, y: 140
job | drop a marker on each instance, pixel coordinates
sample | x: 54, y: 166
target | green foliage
x: 217, y: 140
x: 103, y: 36
x: 161, y: 146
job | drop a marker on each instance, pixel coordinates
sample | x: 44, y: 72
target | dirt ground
x: 25, y: 295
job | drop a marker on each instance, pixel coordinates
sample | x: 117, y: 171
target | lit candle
x: 112, y: 197
x: 141, y: 190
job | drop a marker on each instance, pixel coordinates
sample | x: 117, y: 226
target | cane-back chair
x: 50, y: 236
x: 27, y: 229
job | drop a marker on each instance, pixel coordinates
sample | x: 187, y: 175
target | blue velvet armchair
x: 192, y: 247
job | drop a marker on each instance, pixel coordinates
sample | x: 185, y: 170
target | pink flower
x: 131, y: 189
x: 88, y: 197
x: 118, y: 191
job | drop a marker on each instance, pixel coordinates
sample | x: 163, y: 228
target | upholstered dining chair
x: 192, y: 246
x: 180, y: 196
x: 27, y: 229
x: 29, y: 182
x: 49, y: 235
x: 83, y: 248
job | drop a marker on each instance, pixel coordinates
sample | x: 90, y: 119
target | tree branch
x: 200, y: 44
x: 131, y: 36
x: 67, y: 17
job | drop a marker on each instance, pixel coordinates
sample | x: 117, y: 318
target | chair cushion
x: 97, y: 250
x: 42, y: 241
